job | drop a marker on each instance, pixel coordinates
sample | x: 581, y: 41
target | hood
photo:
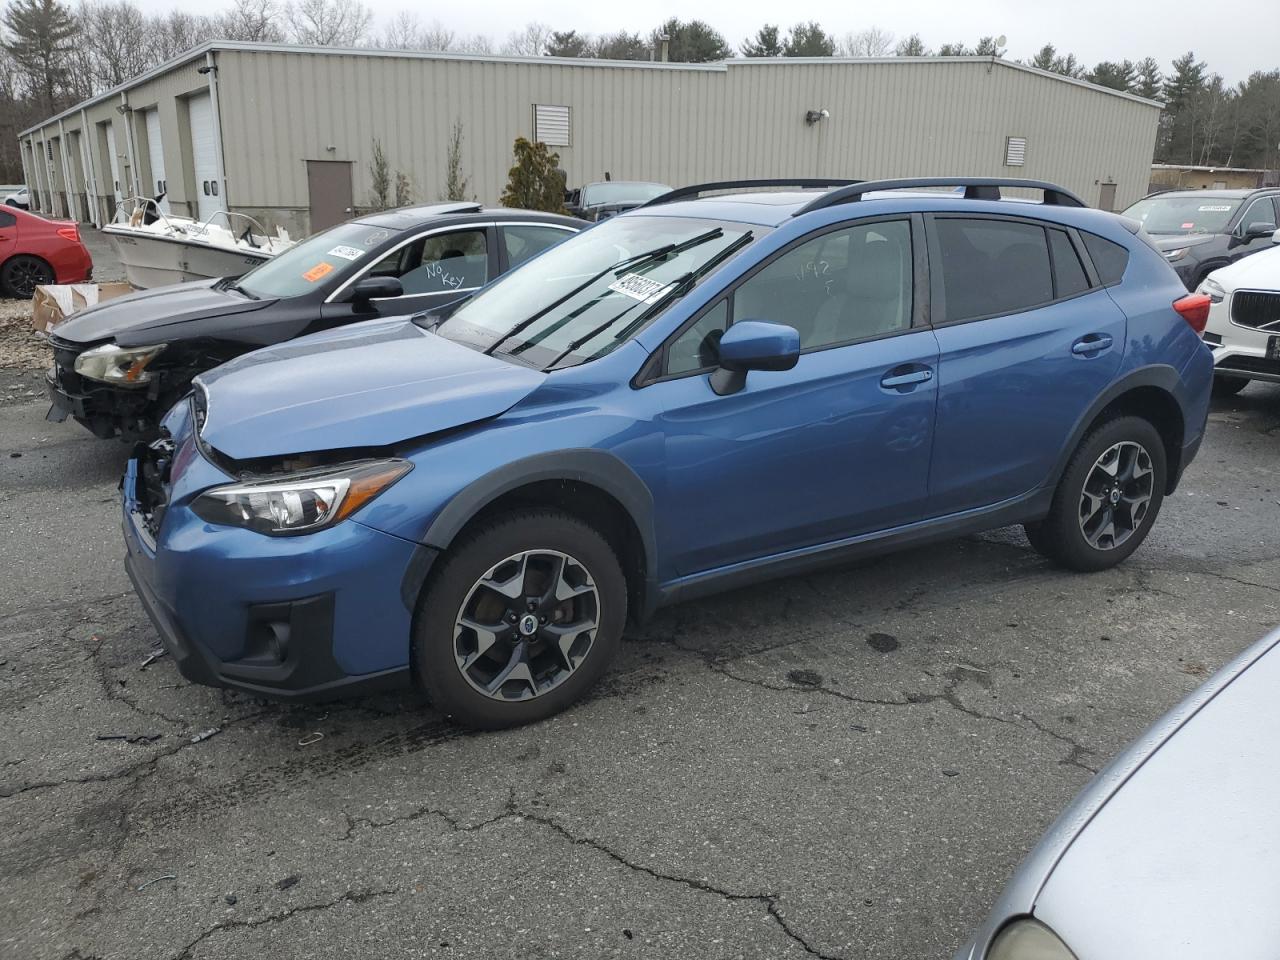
x: 1184, y: 859
x: 1164, y: 241
x: 1257, y: 271
x: 370, y: 384
x: 138, y: 318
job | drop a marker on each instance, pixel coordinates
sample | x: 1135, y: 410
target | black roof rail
x: 681, y: 193
x: 975, y: 188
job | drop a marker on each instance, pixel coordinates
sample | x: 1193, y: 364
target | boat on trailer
x: 157, y: 249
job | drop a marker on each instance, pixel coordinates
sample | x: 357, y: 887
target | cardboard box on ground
x: 54, y: 303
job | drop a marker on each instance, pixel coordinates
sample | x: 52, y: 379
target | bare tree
x: 180, y: 31
x: 402, y: 32
x: 532, y: 41
x: 327, y: 23
x: 871, y: 42
x: 476, y: 43
x: 256, y: 21
x: 456, y: 183
x: 438, y: 37
x: 118, y: 40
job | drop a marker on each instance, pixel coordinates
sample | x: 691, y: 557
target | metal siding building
x: 282, y: 124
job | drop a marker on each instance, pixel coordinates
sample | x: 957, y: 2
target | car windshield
x: 313, y: 262
x: 584, y: 297
x: 1184, y: 214
x: 603, y: 194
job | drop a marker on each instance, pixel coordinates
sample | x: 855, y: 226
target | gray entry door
x: 329, y: 192
x: 1107, y: 197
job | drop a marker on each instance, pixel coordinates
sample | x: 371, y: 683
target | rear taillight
x: 71, y: 233
x: 1194, y: 308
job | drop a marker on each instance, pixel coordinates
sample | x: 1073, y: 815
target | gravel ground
x: 844, y: 765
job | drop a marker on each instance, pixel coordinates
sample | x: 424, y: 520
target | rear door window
x: 992, y: 267
x: 1068, y: 273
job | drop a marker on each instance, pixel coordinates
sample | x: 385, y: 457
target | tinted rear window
x: 1067, y: 269
x: 1109, y: 259
x: 992, y: 266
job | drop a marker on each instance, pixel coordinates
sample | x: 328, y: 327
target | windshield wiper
x: 230, y: 284
x: 663, y: 251
x: 676, y: 288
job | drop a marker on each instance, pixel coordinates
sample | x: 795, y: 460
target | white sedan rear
x: 1244, y: 321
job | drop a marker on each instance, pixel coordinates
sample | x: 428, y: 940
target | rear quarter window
x: 1109, y: 259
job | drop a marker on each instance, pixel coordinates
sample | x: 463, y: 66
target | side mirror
x: 375, y: 288
x: 1275, y: 237
x: 753, y: 345
x: 1256, y: 230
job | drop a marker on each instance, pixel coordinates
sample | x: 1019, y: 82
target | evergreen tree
x: 622, y: 46
x: 988, y: 47
x: 954, y: 50
x: 40, y: 36
x: 1117, y: 76
x: 911, y: 46
x: 1044, y: 58
x: 535, y: 182
x: 766, y: 43
x: 809, y: 40
x: 1148, y: 80
x: 568, y: 43
x: 1182, y: 87
x: 691, y: 41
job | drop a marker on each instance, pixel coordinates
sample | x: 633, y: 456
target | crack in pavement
x: 363, y: 896
x: 511, y: 811
x: 137, y: 771
x: 769, y: 900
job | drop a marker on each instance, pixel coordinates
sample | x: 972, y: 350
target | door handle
x: 1091, y: 344
x: 907, y: 376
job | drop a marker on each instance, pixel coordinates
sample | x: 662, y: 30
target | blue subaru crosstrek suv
x: 692, y: 396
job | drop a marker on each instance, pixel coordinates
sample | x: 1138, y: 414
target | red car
x: 34, y: 250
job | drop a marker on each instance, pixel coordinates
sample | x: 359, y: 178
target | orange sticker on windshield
x: 321, y: 269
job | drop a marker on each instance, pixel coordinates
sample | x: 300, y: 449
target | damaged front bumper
x: 307, y: 617
x: 106, y: 411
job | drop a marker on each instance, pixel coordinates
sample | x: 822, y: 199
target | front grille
x: 1259, y: 309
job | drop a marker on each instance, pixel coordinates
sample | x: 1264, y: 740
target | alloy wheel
x: 1116, y: 495
x: 526, y: 625
x: 26, y: 274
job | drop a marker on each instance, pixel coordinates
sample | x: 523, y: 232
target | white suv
x: 1244, y: 321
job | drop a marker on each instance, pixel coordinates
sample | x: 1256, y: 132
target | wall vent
x: 1015, y: 151
x: 551, y: 125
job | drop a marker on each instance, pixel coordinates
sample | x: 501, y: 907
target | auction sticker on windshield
x: 637, y: 287
x: 346, y: 253
x: 321, y: 269
x: 1215, y: 208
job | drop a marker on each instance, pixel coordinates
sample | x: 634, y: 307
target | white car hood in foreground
x: 1258, y: 271
x: 1183, y: 861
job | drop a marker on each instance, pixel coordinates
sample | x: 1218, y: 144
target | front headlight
x: 300, y: 502
x: 1177, y: 254
x: 1212, y: 289
x: 123, y: 366
x: 1028, y: 939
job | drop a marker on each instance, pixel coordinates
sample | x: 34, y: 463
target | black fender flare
x: 585, y: 465
x: 1159, y: 375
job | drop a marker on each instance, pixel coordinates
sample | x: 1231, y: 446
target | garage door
x: 204, y: 156
x: 155, y: 150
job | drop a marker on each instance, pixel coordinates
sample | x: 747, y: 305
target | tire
x: 1228, y: 386
x: 21, y: 275
x: 1075, y: 533
x: 453, y: 661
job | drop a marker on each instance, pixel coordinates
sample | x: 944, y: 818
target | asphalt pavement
x: 844, y: 765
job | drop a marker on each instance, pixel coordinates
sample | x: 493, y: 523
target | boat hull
x: 157, y: 261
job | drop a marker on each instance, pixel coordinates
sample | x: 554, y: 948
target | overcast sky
x: 1234, y: 38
